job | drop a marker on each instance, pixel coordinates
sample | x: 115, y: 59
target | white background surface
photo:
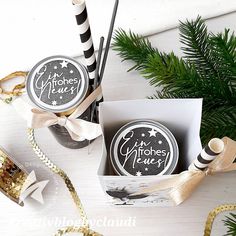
x: 35, y: 30
x: 35, y: 220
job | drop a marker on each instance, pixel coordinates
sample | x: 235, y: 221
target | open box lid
x: 181, y: 116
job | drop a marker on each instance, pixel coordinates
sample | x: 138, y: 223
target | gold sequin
x: 84, y: 229
x: 12, y: 177
x: 212, y: 215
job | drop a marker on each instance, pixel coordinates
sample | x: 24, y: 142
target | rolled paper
x: 85, y: 37
x: 12, y: 177
x: 208, y: 154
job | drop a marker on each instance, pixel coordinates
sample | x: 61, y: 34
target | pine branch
x: 197, y: 49
x: 230, y: 223
x: 224, y: 51
x: 133, y: 47
x: 218, y: 122
x: 207, y: 71
x: 162, y: 69
x: 202, y: 49
x: 177, y: 78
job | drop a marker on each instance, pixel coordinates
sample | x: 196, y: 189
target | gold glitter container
x: 12, y: 177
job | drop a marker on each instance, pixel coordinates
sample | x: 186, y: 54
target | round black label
x: 57, y: 83
x: 144, y: 148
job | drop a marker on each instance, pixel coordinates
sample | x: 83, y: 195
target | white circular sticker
x: 143, y: 148
x: 57, y: 83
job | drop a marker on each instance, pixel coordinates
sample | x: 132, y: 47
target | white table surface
x: 58, y: 210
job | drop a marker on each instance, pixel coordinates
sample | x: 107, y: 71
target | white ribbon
x: 78, y: 129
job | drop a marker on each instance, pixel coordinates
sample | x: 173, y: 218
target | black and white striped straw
x: 85, y: 37
x: 208, y: 154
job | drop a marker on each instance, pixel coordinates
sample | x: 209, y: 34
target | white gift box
x: 181, y: 116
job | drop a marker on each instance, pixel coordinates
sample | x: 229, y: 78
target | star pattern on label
x: 142, y: 149
x: 62, y: 83
x: 54, y: 103
x: 138, y: 173
x: 152, y: 133
x: 64, y: 64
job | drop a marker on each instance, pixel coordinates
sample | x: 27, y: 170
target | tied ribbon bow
x: 78, y: 129
x: 181, y: 186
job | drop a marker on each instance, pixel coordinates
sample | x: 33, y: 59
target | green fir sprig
x: 230, y: 223
x: 207, y: 70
